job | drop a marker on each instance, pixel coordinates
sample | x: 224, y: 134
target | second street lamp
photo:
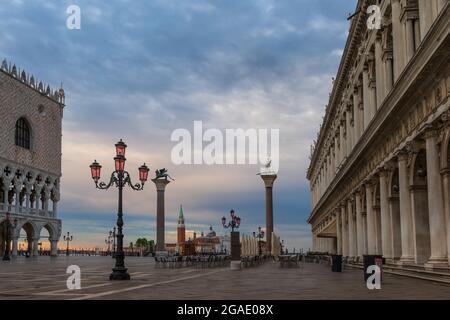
x: 260, y: 235
x: 119, y: 178
x: 68, y: 238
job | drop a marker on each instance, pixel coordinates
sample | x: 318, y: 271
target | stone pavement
x: 45, y: 278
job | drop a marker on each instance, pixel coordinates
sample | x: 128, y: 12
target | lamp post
x: 234, y: 223
x: 7, y: 237
x: 119, y: 178
x: 260, y: 236
x: 68, y: 238
x: 108, y: 241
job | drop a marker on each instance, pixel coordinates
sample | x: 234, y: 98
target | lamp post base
x: 120, y: 274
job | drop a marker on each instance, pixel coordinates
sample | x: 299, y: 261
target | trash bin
x: 370, y: 260
x: 336, y: 263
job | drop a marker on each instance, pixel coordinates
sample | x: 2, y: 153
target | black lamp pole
x: 68, y: 238
x: 260, y: 236
x: 119, y: 178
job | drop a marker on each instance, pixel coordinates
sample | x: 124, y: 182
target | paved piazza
x: 42, y: 278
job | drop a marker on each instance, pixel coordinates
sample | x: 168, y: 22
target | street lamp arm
x: 112, y: 180
x: 136, y: 187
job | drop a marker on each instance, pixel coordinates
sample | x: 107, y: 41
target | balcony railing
x: 32, y: 212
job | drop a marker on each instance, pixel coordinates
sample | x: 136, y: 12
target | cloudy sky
x: 139, y: 70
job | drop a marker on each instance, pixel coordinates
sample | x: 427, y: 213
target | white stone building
x: 380, y: 168
x: 30, y: 159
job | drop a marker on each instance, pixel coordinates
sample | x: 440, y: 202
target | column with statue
x: 161, y: 180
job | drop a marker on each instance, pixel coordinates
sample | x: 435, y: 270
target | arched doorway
x: 419, y: 201
x: 48, y: 241
x: 26, y: 240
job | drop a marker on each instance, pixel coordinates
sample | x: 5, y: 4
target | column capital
x: 161, y: 184
x: 268, y: 179
x: 430, y: 132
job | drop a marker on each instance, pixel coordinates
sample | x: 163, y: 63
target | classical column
x: 438, y: 237
x: 379, y: 67
x: 345, y: 252
x: 338, y: 233
x: 36, y: 246
x: 371, y: 225
x: 446, y: 189
x: 410, y: 39
x: 6, y: 185
x: 386, y: 230
x: 351, y: 231
x: 406, y: 218
x: 27, y: 197
x: 160, y: 211
x: 349, y: 140
x: 17, y: 190
x: 366, y: 95
x: 426, y: 16
x: 359, y: 226
x: 268, y: 182
x: 15, y: 240
x: 356, y: 117
x: 394, y: 209
x: 398, y: 39
x: 53, y: 247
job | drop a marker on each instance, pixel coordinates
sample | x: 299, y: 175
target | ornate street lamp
x: 7, y: 236
x: 108, y: 241
x: 260, y: 236
x: 234, y: 223
x: 119, y: 178
x: 68, y: 238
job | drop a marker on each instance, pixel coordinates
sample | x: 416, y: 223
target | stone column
x: 386, y: 230
x: 356, y: 118
x: 410, y: 39
x: 15, y: 240
x: 438, y: 237
x: 406, y: 219
x: 269, y: 179
x: 446, y: 188
x: 160, y: 211
x: 371, y: 226
x: 54, y: 248
x: 394, y: 209
x: 349, y: 130
x: 17, y: 190
x: 426, y: 17
x: 338, y: 233
x: 379, y: 67
x: 398, y: 39
x: 344, y: 231
x: 6, y: 184
x: 359, y: 226
x: 366, y: 94
x: 351, y: 231
x: 36, y: 246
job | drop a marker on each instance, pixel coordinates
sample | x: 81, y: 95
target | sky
x: 138, y: 70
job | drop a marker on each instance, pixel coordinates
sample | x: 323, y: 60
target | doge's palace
x: 30, y: 159
x: 380, y: 167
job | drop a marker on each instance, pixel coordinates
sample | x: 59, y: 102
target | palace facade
x: 30, y: 160
x: 380, y: 167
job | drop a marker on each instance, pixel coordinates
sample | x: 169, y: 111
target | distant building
x: 181, y: 230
